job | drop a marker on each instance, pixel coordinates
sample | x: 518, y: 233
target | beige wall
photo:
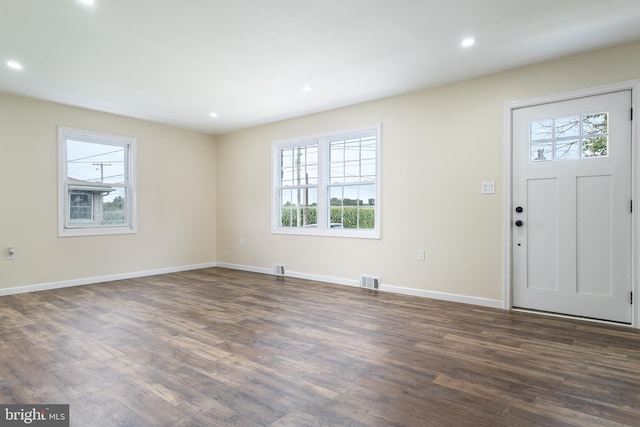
x: 199, y: 195
x: 437, y: 147
x: 176, y: 198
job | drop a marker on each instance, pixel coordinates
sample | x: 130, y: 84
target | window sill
x: 95, y: 231
x: 308, y: 231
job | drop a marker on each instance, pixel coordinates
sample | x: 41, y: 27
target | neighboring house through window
x: 328, y: 184
x: 81, y: 206
x: 96, y: 183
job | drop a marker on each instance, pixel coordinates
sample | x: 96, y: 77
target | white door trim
x: 634, y: 86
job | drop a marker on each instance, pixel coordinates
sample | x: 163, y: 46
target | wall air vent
x: 278, y: 269
x: 369, y: 282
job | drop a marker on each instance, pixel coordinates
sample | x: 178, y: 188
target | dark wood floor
x: 217, y: 347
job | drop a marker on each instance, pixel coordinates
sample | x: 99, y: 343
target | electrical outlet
x: 421, y: 255
x: 11, y: 253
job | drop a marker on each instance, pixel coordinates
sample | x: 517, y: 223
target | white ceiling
x: 176, y: 61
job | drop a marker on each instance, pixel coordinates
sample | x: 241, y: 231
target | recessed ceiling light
x: 468, y: 42
x: 213, y: 115
x: 87, y: 2
x: 307, y: 88
x: 14, y: 65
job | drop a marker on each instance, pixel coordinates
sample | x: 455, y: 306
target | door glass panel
x: 569, y: 138
x: 596, y: 129
x: 567, y: 126
x: 541, y: 152
x: 567, y: 150
x: 541, y: 130
x: 596, y: 146
x: 594, y: 124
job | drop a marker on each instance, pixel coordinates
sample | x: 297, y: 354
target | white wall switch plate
x: 488, y: 187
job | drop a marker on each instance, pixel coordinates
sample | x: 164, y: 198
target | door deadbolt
x: 519, y: 209
x: 519, y: 223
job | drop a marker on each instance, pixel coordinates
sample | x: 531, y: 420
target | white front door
x: 572, y: 207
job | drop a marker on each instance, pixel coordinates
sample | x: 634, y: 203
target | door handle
x: 519, y: 223
x: 519, y: 209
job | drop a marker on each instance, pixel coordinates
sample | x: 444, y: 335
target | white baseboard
x: 445, y: 296
x: 100, y: 279
x: 244, y: 268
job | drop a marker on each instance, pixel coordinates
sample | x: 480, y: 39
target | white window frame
x: 323, y: 228
x: 66, y: 227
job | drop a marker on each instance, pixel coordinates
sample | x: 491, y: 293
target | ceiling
x: 176, y: 62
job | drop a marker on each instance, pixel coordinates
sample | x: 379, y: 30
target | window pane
x: 368, y: 148
x: 541, y: 130
x: 350, y: 196
x: 91, y: 162
x: 287, y: 177
x: 597, y: 146
x: 285, y: 203
x: 312, y: 154
x: 541, y: 152
x: 286, y: 197
x: 309, y: 215
x: 368, y: 170
x: 337, y: 152
x: 368, y: 195
x: 352, y: 150
x: 298, y: 165
x: 114, y: 207
x: 352, y: 171
x: 336, y: 217
x: 335, y: 196
x: 337, y: 172
x: 595, y: 124
x: 567, y: 127
x: 567, y: 150
x: 366, y: 217
x: 312, y: 174
x: 287, y: 158
x: 285, y: 217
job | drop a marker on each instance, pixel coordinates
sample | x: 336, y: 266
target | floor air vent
x: 369, y: 282
x: 278, y: 269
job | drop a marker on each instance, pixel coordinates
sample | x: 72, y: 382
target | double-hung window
x: 96, y: 187
x: 328, y: 184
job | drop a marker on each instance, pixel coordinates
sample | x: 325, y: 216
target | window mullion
x: 323, y: 161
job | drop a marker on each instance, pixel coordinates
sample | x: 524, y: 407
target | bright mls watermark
x: 34, y: 415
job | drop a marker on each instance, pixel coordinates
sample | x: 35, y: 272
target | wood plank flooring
x: 217, y: 347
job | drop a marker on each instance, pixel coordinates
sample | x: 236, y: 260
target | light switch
x: 488, y: 187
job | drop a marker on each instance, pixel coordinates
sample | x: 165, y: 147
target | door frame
x: 634, y: 86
